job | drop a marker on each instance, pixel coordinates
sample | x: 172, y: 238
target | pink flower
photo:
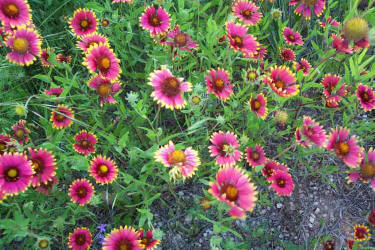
x: 234, y: 188
x: 330, y: 21
x: 15, y: 173
x: 282, y: 183
x: 80, y: 191
x: 54, y: 91
x: 25, y: 44
x: 306, y: 6
x: 44, y: 166
x: 46, y: 188
x: 345, y: 148
x: 218, y: 82
x: 240, y: 41
x: 255, y: 156
x: 365, y: 96
x: 187, y: 160
x: 303, y: 65
x: 282, y: 81
x: 14, y: 12
x: 225, y: 148
x: 4, y: 141
x: 341, y: 44
x: 84, y: 143
x: 122, y: 1
x: 180, y: 40
x: 247, y: 12
x: 83, y: 22
x: 147, y: 239
x: 156, y: 21
x: 292, y: 37
x: 80, y: 239
x: 287, y: 54
x: 100, y: 58
x: 21, y: 133
x: 122, y: 238
x: 366, y: 170
x: 259, y: 105
x: 310, y: 132
x: 330, y: 83
x: 104, y: 88
x: 168, y: 89
x: 271, y: 167
x: 90, y: 40
x: 62, y: 117
x: 103, y: 170
x: 45, y: 56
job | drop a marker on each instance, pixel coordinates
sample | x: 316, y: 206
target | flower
x: 4, y: 141
x: 292, y: 37
x: 310, y: 132
x: 101, y: 58
x: 168, y: 89
x: 252, y: 75
x: 44, y: 166
x: 80, y: 239
x: 341, y: 45
x: 25, y: 45
x: 371, y: 217
x: 330, y: 21
x: 234, y: 188
x: 225, y: 148
x: 356, y: 29
x: 366, y: 170
x: 329, y: 245
x: 333, y: 101
x: 63, y: 59
x: 259, y: 105
x: 43, y: 243
x: 240, y: 41
x: 303, y: 65
x: 21, y: 132
x: 122, y: 238
x: 147, y: 239
x: 3, y: 195
x: 83, y: 22
x: 105, y: 88
x: 180, y: 40
x: 345, y: 148
x: 105, y: 22
x: 306, y: 6
x: 15, y: 173
x: 330, y: 83
x: 259, y: 54
x: 276, y: 13
x: 185, y: 161
x: 218, y: 82
x: 102, y: 228
x: 282, y: 183
x: 62, y: 117
x: 84, y: 142
x: 48, y: 187
x: 45, y: 56
x: 54, y: 91
x: 361, y: 233
x: 92, y: 39
x: 282, y: 81
x: 365, y: 96
x: 156, y: 21
x: 80, y: 191
x: 103, y: 169
x: 287, y: 54
x: 247, y: 12
x: 271, y: 167
x: 255, y: 156
x: 15, y: 12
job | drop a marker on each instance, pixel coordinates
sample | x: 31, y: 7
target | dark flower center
x: 365, y: 97
x: 123, y: 245
x: 180, y: 39
x: 104, y: 89
x: 43, y: 244
x: 238, y: 42
x: 367, y: 170
x: 342, y: 148
x: 247, y: 14
x: 170, y: 86
x: 84, y: 24
x: 154, y: 20
x: 12, y: 174
x: 309, y: 2
x: 291, y: 37
x: 280, y: 182
x: 103, y: 64
x: 145, y: 241
x: 269, y: 172
x: 178, y: 156
x: 60, y: 117
x: 103, y: 170
x: 255, y: 155
x: 219, y: 85
x: 85, y: 143
x: 2, y: 146
x: 231, y: 192
x: 81, y: 192
x: 279, y: 84
x: 252, y: 75
x: 10, y: 10
x: 256, y: 105
x: 80, y: 239
x: 20, y: 133
x: 37, y: 166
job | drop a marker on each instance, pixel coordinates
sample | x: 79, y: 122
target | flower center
x: 228, y: 149
x: 154, y: 20
x: 256, y: 104
x: 238, y: 41
x: 104, y: 89
x: 309, y: 2
x: 60, y: 117
x: 104, y: 63
x: 12, y: 174
x: 10, y: 10
x: 80, y: 239
x: 196, y: 100
x: 180, y: 39
x: 367, y: 170
x: 219, y: 84
x: 81, y: 192
x: 342, y: 148
x: 2, y: 146
x: 231, y: 192
x: 20, y: 133
x: 123, y: 245
x: 365, y: 97
x: 255, y: 155
x: 170, y: 86
x: 246, y: 14
x: 37, y: 166
x: 20, y: 45
x: 84, y: 24
x: 84, y: 143
x: 103, y: 170
x: 280, y: 182
x: 92, y: 43
x: 269, y: 172
x: 291, y: 37
x: 251, y: 75
x: 43, y: 244
x: 178, y: 156
x: 279, y: 84
x: 145, y: 242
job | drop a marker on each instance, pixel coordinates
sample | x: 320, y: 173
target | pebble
x: 279, y: 205
x: 312, y: 219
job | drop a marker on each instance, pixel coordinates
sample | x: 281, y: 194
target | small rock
x: 312, y: 219
x: 279, y: 205
x: 317, y: 210
x: 180, y: 193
